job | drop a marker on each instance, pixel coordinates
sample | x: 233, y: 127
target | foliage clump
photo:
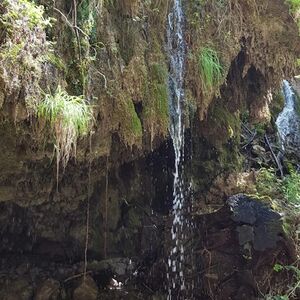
x: 292, y: 290
x: 291, y: 188
x: 269, y: 186
x: 24, y: 48
x: 284, y: 196
x: 295, y: 8
x: 69, y: 118
x: 211, y: 70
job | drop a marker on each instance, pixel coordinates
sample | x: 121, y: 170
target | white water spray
x: 177, y: 54
x: 288, y: 121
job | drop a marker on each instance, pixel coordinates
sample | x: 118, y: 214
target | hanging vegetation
x: 69, y: 118
x: 210, y: 68
x: 24, y: 49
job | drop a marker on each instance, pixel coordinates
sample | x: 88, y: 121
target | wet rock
x: 118, y: 266
x: 86, y: 290
x: 48, y: 290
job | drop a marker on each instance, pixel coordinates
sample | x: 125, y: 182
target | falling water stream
x: 177, y: 53
x: 288, y: 121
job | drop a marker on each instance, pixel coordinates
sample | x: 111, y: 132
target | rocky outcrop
x: 241, y: 244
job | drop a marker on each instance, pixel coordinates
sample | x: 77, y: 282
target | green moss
x: 225, y: 119
x: 224, y: 134
x: 23, y: 49
x: 295, y: 8
x: 158, y: 73
x: 261, y: 128
x: 277, y: 104
x: 160, y: 96
x: 156, y: 96
x: 56, y: 61
x: 84, y: 48
x: 134, y: 126
x: 128, y: 38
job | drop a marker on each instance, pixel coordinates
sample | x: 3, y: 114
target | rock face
x: 239, y: 248
x: 127, y: 77
x: 123, y: 172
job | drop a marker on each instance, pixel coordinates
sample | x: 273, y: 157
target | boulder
x: 86, y: 290
x: 257, y: 223
x: 48, y: 290
x: 238, y: 245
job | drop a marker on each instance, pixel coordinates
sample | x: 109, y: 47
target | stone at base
x: 86, y: 290
x: 48, y: 290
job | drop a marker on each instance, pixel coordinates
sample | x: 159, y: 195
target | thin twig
x: 76, y: 276
x: 250, y: 141
x: 88, y: 208
x: 274, y: 156
x: 247, y: 129
x: 105, y: 80
x: 73, y: 27
x: 106, y: 212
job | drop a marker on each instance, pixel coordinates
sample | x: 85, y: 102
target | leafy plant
x: 291, y: 188
x: 69, y: 118
x: 210, y: 68
x: 295, y: 5
x: 268, y: 185
x: 291, y: 292
x: 282, y: 194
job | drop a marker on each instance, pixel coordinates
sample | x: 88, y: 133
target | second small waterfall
x: 177, y: 54
x: 288, y: 121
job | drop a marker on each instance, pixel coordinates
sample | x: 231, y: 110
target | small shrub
x: 288, y: 189
x: 267, y: 184
x: 291, y: 290
x: 69, y: 118
x: 291, y: 188
x: 295, y: 10
x: 284, y: 196
x: 211, y: 69
x: 295, y: 5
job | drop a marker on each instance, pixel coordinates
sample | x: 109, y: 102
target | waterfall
x: 177, y: 53
x: 288, y: 121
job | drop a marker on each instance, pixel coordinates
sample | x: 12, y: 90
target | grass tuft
x: 210, y: 68
x: 69, y: 118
